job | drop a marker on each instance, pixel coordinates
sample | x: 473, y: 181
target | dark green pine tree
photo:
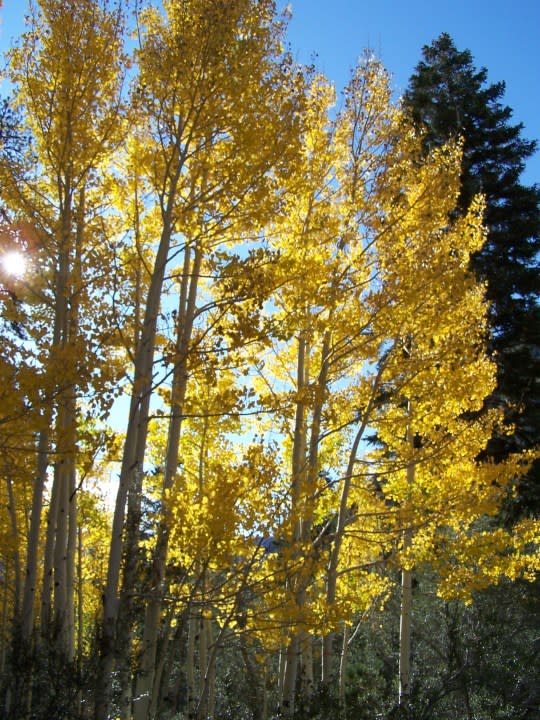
x: 450, y: 97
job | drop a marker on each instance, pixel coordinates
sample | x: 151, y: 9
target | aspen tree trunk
x: 190, y: 664
x: 59, y: 570
x: 186, y: 316
x: 298, y: 469
x: 30, y: 581
x: 405, y: 624
x: 32, y: 552
x: 177, y: 693
x: 48, y: 562
x: 73, y: 341
x: 206, y: 704
x: 211, y: 673
x: 282, y: 660
x: 71, y: 554
x: 307, y: 479
x: 207, y: 670
x: 290, y: 674
x: 405, y: 634
x: 264, y: 708
x: 4, y: 620
x: 65, y: 539
x: 343, y: 513
x: 65, y: 410
x: 80, y: 598
x: 306, y: 665
x: 203, y: 665
x: 158, y: 691
x: 19, y: 685
x: 305, y: 474
x: 15, y: 552
x: 80, y: 622
x: 311, y: 484
x: 132, y: 466
x: 343, y: 666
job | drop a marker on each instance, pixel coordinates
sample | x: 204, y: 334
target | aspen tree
x: 326, y: 267
x: 401, y: 264
x: 210, y: 74
x: 66, y: 74
x: 431, y: 469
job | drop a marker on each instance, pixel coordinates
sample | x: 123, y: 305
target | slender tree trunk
x: 282, y: 661
x: 4, y: 619
x: 207, y: 670
x: 193, y: 623
x: 48, y: 560
x: 16, y: 544
x: 343, y: 666
x: 71, y: 554
x: 298, y: 470
x: 264, y: 708
x: 203, y: 664
x: 64, y: 423
x: 59, y: 563
x: 306, y: 665
x: 405, y: 625
x: 131, y: 470
x: 343, y: 516
x: 5, y: 622
x: 186, y: 316
x: 162, y: 669
x: 290, y: 675
x: 30, y: 583
x: 80, y: 615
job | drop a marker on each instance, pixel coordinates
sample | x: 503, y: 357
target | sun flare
x: 14, y: 263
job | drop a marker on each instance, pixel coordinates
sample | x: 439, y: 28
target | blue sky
x: 503, y: 36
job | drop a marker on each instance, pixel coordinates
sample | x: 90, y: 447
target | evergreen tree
x: 450, y: 97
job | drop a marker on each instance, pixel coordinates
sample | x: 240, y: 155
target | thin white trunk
x: 282, y: 661
x: 80, y: 598
x: 60, y: 550
x: 306, y: 665
x: 186, y: 316
x: 203, y: 665
x: 290, y: 675
x: 343, y: 666
x: 405, y: 637
x: 298, y: 470
x: 343, y: 516
x: 30, y: 583
x: 405, y: 624
x: 4, y: 634
x: 48, y: 559
x: 163, y: 665
x: 190, y: 664
x: 16, y: 545
x: 71, y: 553
x: 131, y: 473
x: 207, y: 663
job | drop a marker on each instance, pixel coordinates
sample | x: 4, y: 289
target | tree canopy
x: 449, y: 97
x: 278, y: 295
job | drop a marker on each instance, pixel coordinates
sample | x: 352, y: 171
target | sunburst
x: 13, y: 263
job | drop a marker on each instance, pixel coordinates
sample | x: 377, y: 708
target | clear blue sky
x: 503, y: 36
